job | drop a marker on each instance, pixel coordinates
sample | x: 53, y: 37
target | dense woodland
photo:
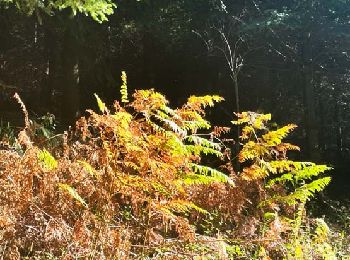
x: 290, y: 58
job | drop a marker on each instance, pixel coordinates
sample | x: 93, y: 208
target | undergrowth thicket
x: 130, y: 182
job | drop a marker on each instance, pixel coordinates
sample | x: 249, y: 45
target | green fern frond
x: 302, y: 193
x: 47, y: 160
x: 194, y: 126
x: 197, y: 179
x: 172, y: 125
x: 307, y: 191
x: 171, y: 112
x: 176, y: 146
x: 198, y: 150
x: 310, y: 171
x: 197, y: 140
x: 208, y: 171
x: 302, y: 171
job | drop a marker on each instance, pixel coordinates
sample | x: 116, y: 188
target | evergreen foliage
x: 97, y: 9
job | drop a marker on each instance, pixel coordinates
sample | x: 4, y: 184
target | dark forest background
x: 290, y: 58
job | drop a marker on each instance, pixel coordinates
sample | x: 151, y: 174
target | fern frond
x: 197, y: 179
x: 172, y: 125
x: 297, y: 171
x: 73, y: 193
x: 256, y: 120
x: 48, y: 161
x: 182, y: 206
x: 198, y: 150
x: 194, y: 126
x: 101, y: 105
x: 310, y: 171
x: 254, y: 172
x: 273, y: 138
x: 124, y: 89
x: 281, y: 166
x: 246, y: 133
x: 176, y: 146
x: 252, y: 150
x: 197, y: 140
x: 302, y: 194
x: 208, y: 171
x: 197, y: 103
x: 89, y: 168
x: 307, y: 191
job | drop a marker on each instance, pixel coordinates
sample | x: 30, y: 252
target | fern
x: 197, y: 140
x: 182, y: 206
x: 124, y: 89
x: 101, y: 105
x: 267, y: 155
x: 305, y: 172
x: 47, y: 160
x: 73, y: 193
x: 208, y: 171
x: 303, y: 193
x: 197, y: 103
x: 197, y: 179
x: 273, y: 138
x: 89, y: 168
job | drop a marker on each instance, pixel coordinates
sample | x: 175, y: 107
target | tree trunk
x: 309, y: 99
x: 53, y: 67
x: 70, y: 81
x: 237, y: 110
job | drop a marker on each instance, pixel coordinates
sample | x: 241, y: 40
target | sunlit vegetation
x: 141, y: 180
x: 175, y: 172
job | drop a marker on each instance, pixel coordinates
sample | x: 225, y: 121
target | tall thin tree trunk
x: 237, y: 110
x: 70, y: 73
x: 52, y: 66
x: 309, y: 99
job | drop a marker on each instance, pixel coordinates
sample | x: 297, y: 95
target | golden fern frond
x: 124, y: 89
x: 182, y: 206
x: 102, y: 106
x: 273, y: 138
x: 254, y: 172
x: 252, y: 150
x: 197, y: 103
x: 256, y: 120
x: 89, y: 168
